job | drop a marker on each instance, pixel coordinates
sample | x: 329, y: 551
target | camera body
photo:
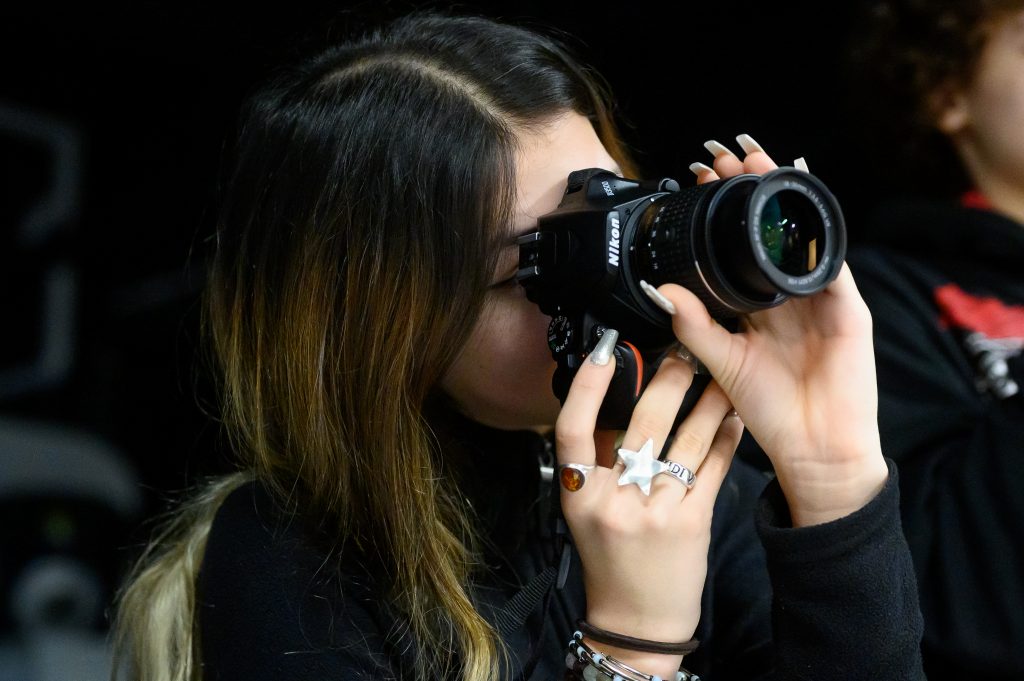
x: 741, y: 245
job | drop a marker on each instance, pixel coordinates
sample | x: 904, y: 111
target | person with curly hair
x: 941, y: 266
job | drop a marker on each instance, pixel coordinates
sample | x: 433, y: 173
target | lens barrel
x: 742, y: 244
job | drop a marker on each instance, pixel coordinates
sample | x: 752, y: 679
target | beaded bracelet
x: 592, y: 665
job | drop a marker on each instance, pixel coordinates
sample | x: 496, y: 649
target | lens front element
x: 791, y: 232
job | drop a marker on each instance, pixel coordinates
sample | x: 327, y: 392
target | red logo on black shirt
x: 993, y: 333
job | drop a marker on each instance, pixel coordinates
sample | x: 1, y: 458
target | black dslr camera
x: 741, y: 245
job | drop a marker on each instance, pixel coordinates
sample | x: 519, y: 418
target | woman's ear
x: 948, y: 106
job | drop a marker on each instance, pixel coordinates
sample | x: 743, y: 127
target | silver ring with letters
x: 680, y: 473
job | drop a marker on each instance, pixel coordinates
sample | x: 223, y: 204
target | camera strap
x: 541, y: 589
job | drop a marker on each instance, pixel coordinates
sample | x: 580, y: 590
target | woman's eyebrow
x: 511, y: 241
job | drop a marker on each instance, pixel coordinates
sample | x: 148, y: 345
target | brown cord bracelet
x: 638, y: 644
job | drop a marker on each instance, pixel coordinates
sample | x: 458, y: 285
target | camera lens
x: 742, y: 244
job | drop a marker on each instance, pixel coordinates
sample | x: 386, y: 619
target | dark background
x: 129, y: 108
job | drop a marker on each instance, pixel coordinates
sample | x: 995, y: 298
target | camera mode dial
x: 560, y: 336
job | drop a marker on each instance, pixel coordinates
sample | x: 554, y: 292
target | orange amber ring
x: 573, y: 475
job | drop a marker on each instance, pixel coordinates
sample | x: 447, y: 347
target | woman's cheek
x: 528, y: 365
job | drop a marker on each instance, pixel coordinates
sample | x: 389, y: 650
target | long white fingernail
x: 716, y: 148
x: 748, y: 143
x: 602, y: 352
x: 659, y: 300
x: 801, y: 164
x: 698, y: 168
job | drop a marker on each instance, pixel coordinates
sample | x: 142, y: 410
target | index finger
x: 574, y: 428
x: 756, y: 160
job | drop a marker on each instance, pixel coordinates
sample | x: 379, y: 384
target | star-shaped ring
x: 641, y: 467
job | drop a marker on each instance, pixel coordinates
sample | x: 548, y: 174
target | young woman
x: 387, y: 387
x: 941, y: 272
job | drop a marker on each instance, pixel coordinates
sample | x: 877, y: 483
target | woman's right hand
x: 645, y: 557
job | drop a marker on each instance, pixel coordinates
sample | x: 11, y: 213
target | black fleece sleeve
x: 844, y: 594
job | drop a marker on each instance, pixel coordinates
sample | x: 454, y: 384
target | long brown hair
x: 369, y: 189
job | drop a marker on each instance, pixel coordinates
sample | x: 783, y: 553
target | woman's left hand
x: 801, y: 376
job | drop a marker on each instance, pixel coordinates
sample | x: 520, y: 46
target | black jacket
x: 275, y: 603
x: 945, y: 285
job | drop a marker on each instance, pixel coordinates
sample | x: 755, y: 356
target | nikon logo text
x: 607, y: 188
x: 613, y: 242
